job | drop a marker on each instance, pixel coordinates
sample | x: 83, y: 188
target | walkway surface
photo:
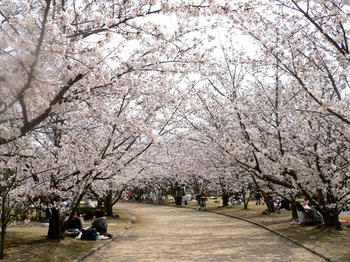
x: 163, y: 233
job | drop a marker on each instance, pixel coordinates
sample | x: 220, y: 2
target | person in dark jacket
x: 99, y: 222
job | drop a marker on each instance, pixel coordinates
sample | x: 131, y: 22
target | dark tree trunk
x: 4, y: 223
x: 2, y: 242
x: 225, y: 199
x: 56, y: 225
x: 107, y: 203
x: 269, y: 204
x: 331, y: 220
x: 109, y: 210
x: 294, y: 211
x: 108, y: 206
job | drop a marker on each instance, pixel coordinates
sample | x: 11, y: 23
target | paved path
x: 177, y: 234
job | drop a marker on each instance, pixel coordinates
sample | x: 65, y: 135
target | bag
x: 89, y: 234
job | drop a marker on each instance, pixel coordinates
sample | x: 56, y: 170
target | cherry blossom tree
x: 14, y: 178
x: 63, y: 58
x: 307, y: 42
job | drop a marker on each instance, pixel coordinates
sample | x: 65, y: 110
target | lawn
x: 328, y: 241
x: 27, y: 242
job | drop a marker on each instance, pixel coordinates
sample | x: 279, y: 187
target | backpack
x: 89, y: 234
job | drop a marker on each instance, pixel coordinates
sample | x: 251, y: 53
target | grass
x: 328, y: 241
x: 27, y: 242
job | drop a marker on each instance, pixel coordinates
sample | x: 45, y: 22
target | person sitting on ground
x: 74, y: 225
x: 236, y: 200
x: 277, y: 204
x: 285, y: 204
x: 308, y: 216
x: 99, y: 222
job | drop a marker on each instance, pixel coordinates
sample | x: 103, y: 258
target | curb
x: 132, y: 220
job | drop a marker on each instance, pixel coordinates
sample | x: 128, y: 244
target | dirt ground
x: 162, y: 233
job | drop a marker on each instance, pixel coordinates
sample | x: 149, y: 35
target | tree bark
x: 108, y: 206
x: 294, y: 211
x: 56, y: 225
x: 4, y: 223
x: 331, y: 220
x: 245, y: 199
x: 269, y: 204
x: 2, y: 242
x: 225, y: 199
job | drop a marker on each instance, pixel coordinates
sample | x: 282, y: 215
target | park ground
x: 27, y: 242
x: 168, y: 234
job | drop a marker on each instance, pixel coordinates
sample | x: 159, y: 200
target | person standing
x: 258, y: 198
x: 202, y: 200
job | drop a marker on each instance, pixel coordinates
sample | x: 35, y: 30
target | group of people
x: 99, y: 224
x: 308, y: 215
x: 278, y: 203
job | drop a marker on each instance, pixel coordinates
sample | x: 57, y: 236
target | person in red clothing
x: 74, y: 226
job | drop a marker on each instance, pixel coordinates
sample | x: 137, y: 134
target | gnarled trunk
x: 2, y: 242
x: 225, y: 199
x: 245, y: 199
x: 108, y: 205
x: 294, y: 210
x: 269, y: 204
x: 330, y: 219
x: 56, y: 225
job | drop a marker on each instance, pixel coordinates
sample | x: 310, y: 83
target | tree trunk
x: 56, y: 227
x: 225, y: 199
x: 294, y: 211
x: 108, y: 208
x: 4, y: 223
x: 245, y: 199
x: 269, y: 204
x: 2, y: 242
x: 331, y: 220
x: 107, y: 201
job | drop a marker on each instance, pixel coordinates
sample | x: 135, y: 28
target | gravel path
x: 163, y: 233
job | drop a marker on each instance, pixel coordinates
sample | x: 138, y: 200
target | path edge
x: 132, y: 220
x: 325, y: 257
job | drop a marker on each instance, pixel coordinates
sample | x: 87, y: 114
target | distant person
x: 202, y: 200
x: 258, y: 198
x: 285, y: 204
